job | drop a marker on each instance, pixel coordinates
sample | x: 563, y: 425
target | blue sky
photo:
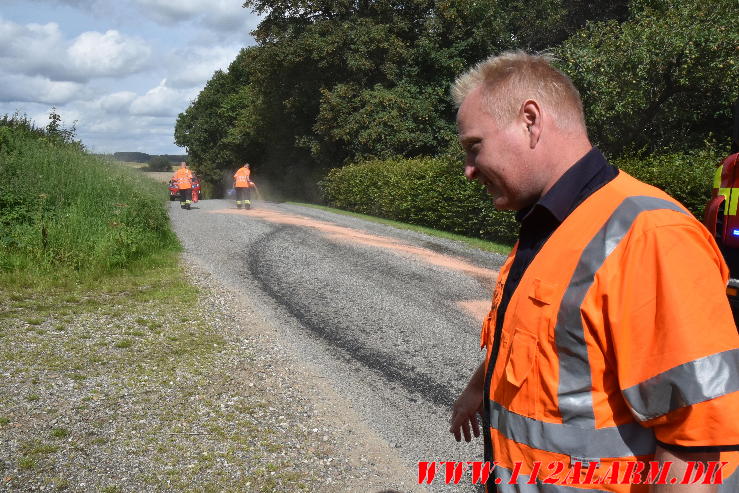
x: 121, y: 69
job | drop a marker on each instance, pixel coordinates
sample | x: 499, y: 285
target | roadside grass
x: 473, y: 242
x: 124, y: 389
x: 68, y: 214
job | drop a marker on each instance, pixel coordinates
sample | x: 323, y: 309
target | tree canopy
x: 331, y: 82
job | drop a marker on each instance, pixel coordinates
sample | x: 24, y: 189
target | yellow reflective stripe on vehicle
x: 725, y: 192
x: 733, y: 202
x: 717, y: 177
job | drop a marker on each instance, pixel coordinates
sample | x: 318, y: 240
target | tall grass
x: 64, y: 212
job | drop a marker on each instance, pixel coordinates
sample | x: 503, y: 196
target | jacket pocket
x: 520, y: 379
x: 521, y: 357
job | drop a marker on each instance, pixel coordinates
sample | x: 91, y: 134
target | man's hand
x: 467, y: 407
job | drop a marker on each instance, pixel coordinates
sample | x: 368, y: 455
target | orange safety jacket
x: 242, y: 178
x: 618, y: 335
x: 183, y: 178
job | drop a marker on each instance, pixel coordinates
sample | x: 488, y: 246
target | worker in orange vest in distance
x: 183, y: 178
x: 243, y: 184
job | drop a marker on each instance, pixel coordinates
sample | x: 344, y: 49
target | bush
x: 433, y: 192
x: 62, y: 210
x: 686, y: 176
x: 426, y: 191
x: 159, y: 163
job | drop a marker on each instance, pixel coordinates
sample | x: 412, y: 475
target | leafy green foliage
x: 381, y: 122
x: 132, y: 157
x: 218, y: 128
x: 159, y: 163
x: 666, y: 78
x: 142, y: 157
x: 433, y: 191
x: 686, y: 176
x: 426, y: 191
x: 62, y: 210
x: 333, y: 81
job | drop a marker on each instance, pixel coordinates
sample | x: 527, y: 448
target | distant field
x: 160, y: 176
x: 129, y: 164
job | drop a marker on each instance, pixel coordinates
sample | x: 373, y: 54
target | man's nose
x: 470, y: 172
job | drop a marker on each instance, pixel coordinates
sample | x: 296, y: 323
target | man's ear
x: 531, y: 117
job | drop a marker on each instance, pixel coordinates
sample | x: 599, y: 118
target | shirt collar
x: 571, y: 188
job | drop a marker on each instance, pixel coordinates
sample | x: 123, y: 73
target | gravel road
x: 387, y: 321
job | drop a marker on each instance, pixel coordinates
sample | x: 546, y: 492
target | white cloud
x: 194, y: 67
x: 153, y: 135
x: 107, y: 126
x: 39, y: 89
x: 75, y: 3
x: 118, y: 102
x: 110, y: 54
x: 160, y: 101
x: 96, y: 7
x: 230, y: 15
x: 225, y: 15
x: 33, y: 49
x: 90, y: 60
x: 41, y: 50
x: 167, y: 12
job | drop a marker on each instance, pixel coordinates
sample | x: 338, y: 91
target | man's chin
x: 502, y: 204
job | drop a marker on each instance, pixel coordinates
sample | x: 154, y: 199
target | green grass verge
x: 473, y: 242
x: 66, y: 213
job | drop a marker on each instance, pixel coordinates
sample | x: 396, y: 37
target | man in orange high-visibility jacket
x: 243, y: 184
x: 183, y: 178
x: 610, y: 342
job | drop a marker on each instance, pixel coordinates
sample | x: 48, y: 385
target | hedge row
x: 426, y: 191
x: 63, y: 210
x: 433, y: 191
x: 686, y: 176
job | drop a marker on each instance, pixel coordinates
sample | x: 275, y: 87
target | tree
x: 159, y: 163
x: 333, y: 81
x: 56, y: 133
x: 55, y: 122
x: 132, y: 157
x: 664, y: 79
x: 381, y: 122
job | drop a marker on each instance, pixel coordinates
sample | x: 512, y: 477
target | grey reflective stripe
x: 522, y: 485
x: 626, y: 440
x: 575, y: 386
x: 690, y: 383
x: 730, y: 484
x: 504, y: 485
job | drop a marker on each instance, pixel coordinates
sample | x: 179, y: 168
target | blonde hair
x: 512, y: 77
